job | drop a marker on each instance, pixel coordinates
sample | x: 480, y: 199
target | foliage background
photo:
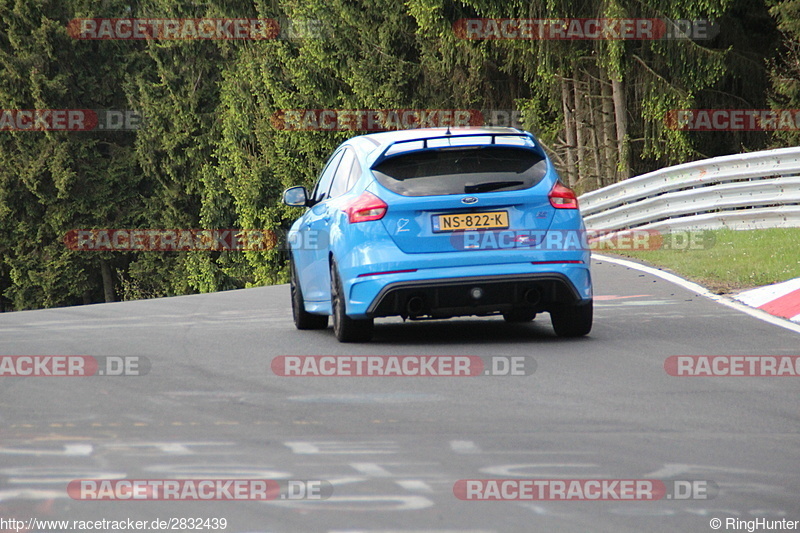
x: 208, y: 155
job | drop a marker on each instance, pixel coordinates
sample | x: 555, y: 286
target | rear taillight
x: 562, y: 197
x: 365, y: 208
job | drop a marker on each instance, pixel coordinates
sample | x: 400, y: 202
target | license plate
x: 468, y: 221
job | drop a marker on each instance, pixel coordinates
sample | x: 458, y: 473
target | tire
x: 573, y: 320
x: 302, y: 318
x: 516, y: 316
x: 346, y: 329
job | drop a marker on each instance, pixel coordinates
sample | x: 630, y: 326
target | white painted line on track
x: 702, y: 291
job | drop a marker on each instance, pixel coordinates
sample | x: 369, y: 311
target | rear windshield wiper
x: 490, y: 186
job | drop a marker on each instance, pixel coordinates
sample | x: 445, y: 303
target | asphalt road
x: 392, y: 448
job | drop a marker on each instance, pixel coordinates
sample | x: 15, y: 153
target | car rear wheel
x: 519, y: 315
x: 302, y: 318
x: 346, y: 329
x: 573, y: 320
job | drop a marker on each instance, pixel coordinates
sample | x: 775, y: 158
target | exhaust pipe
x: 415, y: 306
x: 532, y: 296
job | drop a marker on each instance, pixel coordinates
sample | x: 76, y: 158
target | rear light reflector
x: 387, y: 272
x: 562, y: 197
x: 365, y: 208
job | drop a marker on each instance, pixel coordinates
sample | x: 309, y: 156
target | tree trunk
x: 108, y: 281
x: 580, y: 125
x: 608, y: 131
x: 569, y: 131
x: 621, y: 118
x: 593, y: 112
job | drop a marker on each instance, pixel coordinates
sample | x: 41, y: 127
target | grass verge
x: 732, y: 261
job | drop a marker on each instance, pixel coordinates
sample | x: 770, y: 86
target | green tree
x: 785, y: 71
x: 58, y: 181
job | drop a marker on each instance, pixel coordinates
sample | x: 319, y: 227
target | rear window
x: 470, y: 170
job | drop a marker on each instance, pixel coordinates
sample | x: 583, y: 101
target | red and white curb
x: 780, y: 299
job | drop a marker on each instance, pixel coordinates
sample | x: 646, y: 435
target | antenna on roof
x: 448, y: 130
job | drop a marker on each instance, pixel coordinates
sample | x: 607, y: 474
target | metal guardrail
x: 745, y: 191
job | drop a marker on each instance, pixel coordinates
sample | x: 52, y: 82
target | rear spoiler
x: 384, y: 155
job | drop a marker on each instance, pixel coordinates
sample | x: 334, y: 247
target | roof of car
x: 374, y: 145
x: 386, y: 138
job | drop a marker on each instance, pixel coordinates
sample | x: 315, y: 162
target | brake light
x: 562, y: 197
x: 365, y: 208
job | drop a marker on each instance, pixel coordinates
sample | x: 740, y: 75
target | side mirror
x: 296, y: 196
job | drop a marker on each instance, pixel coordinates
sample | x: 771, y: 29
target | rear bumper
x: 378, y: 278
x: 446, y: 291
x: 478, y: 295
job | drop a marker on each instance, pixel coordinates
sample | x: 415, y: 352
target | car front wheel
x: 346, y: 329
x: 572, y: 320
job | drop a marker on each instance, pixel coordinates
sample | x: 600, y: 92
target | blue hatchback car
x: 437, y: 223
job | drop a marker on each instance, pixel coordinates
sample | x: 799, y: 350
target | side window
x: 324, y: 183
x: 342, y: 178
x: 355, y: 173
